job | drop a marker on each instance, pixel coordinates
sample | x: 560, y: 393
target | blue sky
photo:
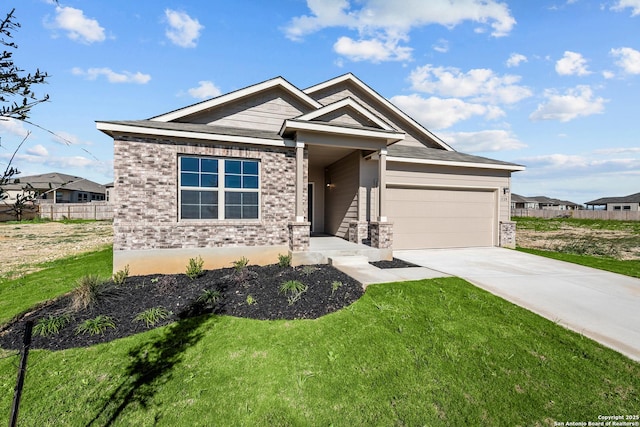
x: 553, y: 85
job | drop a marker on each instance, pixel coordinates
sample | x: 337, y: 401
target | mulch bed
x: 328, y: 290
x: 394, y: 263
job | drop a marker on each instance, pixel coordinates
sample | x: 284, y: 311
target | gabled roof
x: 346, y: 103
x: 53, y: 180
x: 632, y: 198
x: 434, y: 156
x: 349, y: 77
x: 238, y: 94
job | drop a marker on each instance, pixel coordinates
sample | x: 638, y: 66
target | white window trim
x: 221, y: 189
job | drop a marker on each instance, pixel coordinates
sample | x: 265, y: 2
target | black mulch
x: 179, y: 294
x: 394, y: 263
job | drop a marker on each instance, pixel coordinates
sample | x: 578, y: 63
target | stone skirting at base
x: 299, y: 233
x: 358, y: 231
x: 381, y: 235
x: 508, y: 234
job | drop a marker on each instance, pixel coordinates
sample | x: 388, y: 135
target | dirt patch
x: 29, y: 244
x: 579, y: 239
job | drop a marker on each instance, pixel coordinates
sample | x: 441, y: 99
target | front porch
x: 322, y: 248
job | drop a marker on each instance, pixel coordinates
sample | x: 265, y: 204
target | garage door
x: 437, y: 218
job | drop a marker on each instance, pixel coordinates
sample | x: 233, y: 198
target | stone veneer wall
x: 146, y: 186
x: 381, y: 235
x: 508, y: 234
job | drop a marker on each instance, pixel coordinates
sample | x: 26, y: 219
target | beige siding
x: 341, y: 199
x: 345, y: 89
x: 347, y: 117
x: 264, y: 112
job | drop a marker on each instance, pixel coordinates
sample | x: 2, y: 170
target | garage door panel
x: 441, y: 218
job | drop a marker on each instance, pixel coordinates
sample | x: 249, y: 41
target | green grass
x: 626, y: 267
x: 57, y: 277
x: 434, y: 352
x: 551, y: 224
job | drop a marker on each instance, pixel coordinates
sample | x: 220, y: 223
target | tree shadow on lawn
x: 151, y: 364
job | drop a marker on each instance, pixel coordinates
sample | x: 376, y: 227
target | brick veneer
x: 381, y: 235
x: 358, y: 231
x: 508, y: 234
x: 299, y: 235
x: 146, y: 186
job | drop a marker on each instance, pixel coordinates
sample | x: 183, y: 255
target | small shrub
x: 209, y: 296
x: 87, y: 292
x: 95, y: 326
x: 121, y: 276
x: 194, y: 268
x: 51, y: 325
x: 152, y: 316
x: 240, y: 265
x: 335, y: 285
x: 251, y: 300
x: 294, y: 288
x: 284, y: 260
x: 308, y: 269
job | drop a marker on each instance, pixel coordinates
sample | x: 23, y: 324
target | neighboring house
x: 627, y: 203
x: 542, y: 202
x: 56, y: 187
x: 258, y: 171
x: 109, y: 191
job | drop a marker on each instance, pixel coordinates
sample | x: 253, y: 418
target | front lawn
x: 627, y: 267
x: 431, y: 352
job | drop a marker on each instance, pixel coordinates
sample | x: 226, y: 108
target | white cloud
x: 589, y: 164
x: 13, y: 126
x: 183, y: 30
x: 616, y: 151
x: 439, y: 113
x: 623, y: 4
x: 38, y: 150
x: 628, y: 59
x: 112, y: 76
x: 66, y: 138
x: 480, y: 84
x: 483, y: 141
x: 516, y: 59
x: 374, y: 50
x: 608, y: 74
x: 572, y: 64
x: 441, y: 46
x: 78, y: 27
x: 205, y: 89
x: 574, y: 103
x: 381, y: 25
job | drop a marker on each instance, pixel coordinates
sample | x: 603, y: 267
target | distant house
x: 626, y: 203
x: 56, y: 187
x: 542, y: 202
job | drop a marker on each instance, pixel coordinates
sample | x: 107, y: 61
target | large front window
x: 219, y: 188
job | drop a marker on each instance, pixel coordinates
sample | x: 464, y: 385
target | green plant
x: 194, y: 268
x: 95, y: 326
x: 51, y: 325
x: 151, y: 316
x: 87, y: 292
x: 209, y: 296
x: 294, y: 288
x: 284, y: 260
x: 240, y: 265
x: 308, y: 269
x: 251, y: 300
x: 121, y: 276
x: 335, y: 285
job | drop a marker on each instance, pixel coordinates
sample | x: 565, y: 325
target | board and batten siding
x: 341, y: 197
x: 264, y: 112
x: 343, y: 90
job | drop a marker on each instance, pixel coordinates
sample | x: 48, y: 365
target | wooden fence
x: 93, y: 210
x: 580, y: 214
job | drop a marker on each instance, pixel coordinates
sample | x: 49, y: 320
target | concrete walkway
x: 600, y: 305
x: 359, y: 268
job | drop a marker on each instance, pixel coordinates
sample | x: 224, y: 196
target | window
x: 219, y: 188
x: 626, y: 208
x: 617, y: 208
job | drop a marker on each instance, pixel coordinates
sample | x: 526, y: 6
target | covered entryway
x: 441, y: 218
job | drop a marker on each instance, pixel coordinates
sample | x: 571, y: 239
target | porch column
x: 299, y: 181
x: 382, y: 185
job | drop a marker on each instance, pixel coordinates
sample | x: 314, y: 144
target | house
x: 542, y: 202
x: 56, y: 187
x: 260, y: 171
x: 627, y: 203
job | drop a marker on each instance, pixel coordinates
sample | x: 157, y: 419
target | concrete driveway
x: 600, y: 305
